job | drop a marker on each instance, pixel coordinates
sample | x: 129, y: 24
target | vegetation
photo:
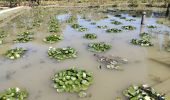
x: 24, y: 37
x: 15, y: 53
x: 113, y: 30
x: 52, y: 38
x: 13, y: 94
x: 128, y: 27
x: 151, y: 26
x: 167, y: 47
x: 102, y: 27
x: 72, y: 80
x: 99, y: 47
x: 79, y: 27
x: 54, y: 25
x: 62, y: 53
x: 142, y: 92
x: 90, y: 36
x: 115, y: 22
x: 143, y: 41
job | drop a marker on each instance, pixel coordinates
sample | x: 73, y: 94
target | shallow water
x: 34, y: 71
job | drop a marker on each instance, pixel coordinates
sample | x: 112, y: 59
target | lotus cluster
x: 102, y: 27
x: 15, y: 53
x: 62, y: 53
x: 72, y: 80
x: 52, y: 38
x: 71, y: 19
x: 113, y: 30
x: 142, y: 92
x: 79, y: 27
x: 115, y: 22
x: 54, y: 25
x: 24, y: 37
x: 13, y: 94
x: 130, y: 20
x: 151, y: 26
x: 90, y: 36
x: 128, y: 27
x: 2, y: 36
x: 143, y: 41
x: 99, y: 47
x: 167, y: 47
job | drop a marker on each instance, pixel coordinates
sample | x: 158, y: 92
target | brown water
x: 149, y: 65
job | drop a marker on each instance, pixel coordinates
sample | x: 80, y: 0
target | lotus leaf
x: 141, y: 42
x: 71, y: 19
x: 113, y: 30
x: 128, y: 27
x: 13, y: 94
x: 99, y: 47
x: 54, y: 25
x: 90, y: 36
x: 15, y: 53
x: 52, y: 38
x: 143, y: 92
x: 62, y: 53
x: 72, y: 80
x: 151, y: 26
x: 102, y: 27
x: 115, y: 22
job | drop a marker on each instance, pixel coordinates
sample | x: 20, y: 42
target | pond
x: 34, y: 71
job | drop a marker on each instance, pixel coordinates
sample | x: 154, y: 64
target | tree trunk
x: 167, y: 11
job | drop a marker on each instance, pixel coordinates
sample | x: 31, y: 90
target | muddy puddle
x: 149, y: 65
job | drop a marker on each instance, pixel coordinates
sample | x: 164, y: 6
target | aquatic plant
x: 93, y: 23
x: 130, y: 20
x: 62, y: 53
x: 122, y: 17
x: 151, y: 26
x: 1, y: 42
x: 115, y: 22
x: 54, y: 25
x: 71, y: 19
x: 118, y: 15
x: 90, y: 36
x: 145, y: 36
x: 113, y: 30
x: 76, y: 26
x: 141, y: 42
x: 82, y: 29
x: 13, y: 94
x: 102, y: 27
x: 167, y: 47
x: 99, y: 47
x: 128, y: 27
x: 72, y: 80
x: 24, y: 37
x: 142, y: 92
x: 15, y: 53
x: 27, y: 33
x: 52, y: 38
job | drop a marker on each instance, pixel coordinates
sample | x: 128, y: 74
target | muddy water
x: 34, y: 71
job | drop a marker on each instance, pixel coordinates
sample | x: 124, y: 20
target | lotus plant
x: 15, y: 53
x: 99, y: 47
x: 72, y: 80
x: 54, y: 25
x: 128, y: 27
x: 115, y: 22
x: 102, y: 27
x: 113, y: 30
x: 13, y: 94
x: 167, y: 47
x: 142, y: 92
x: 151, y: 26
x: 52, y: 38
x: 62, y: 53
x: 90, y: 36
x: 24, y: 37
